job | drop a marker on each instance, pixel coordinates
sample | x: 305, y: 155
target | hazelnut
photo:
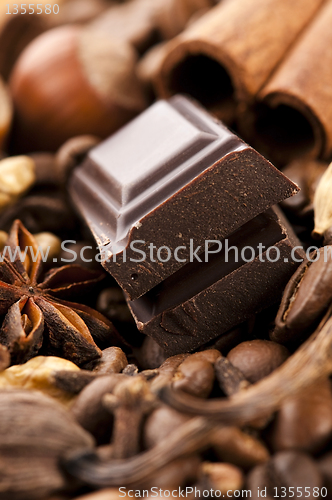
x: 87, y: 86
x: 3, y: 239
x: 17, y: 175
x: 6, y: 113
x: 50, y: 245
x: 37, y: 374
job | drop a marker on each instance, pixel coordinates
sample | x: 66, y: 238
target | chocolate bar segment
x: 205, y: 299
x: 172, y: 176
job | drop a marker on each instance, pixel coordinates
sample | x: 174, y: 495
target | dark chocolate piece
x: 172, y: 175
x: 205, y: 299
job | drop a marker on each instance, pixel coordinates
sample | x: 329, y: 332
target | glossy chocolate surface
x: 172, y: 175
x: 203, y: 300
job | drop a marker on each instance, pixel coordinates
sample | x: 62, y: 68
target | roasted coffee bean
x: 150, y: 355
x: 196, y: 374
x: 305, y: 422
x: 231, y: 380
x: 45, y: 168
x: 113, y: 360
x: 167, y: 371
x: 112, y: 303
x: 40, y: 213
x: 306, y: 298
x: 71, y: 153
x: 257, y: 358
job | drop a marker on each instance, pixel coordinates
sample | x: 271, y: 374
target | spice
x: 293, y: 116
x: 130, y: 402
x: 29, y: 305
x: 322, y: 204
x: 310, y: 363
x: 35, y: 432
x: 225, y: 58
x: 39, y: 374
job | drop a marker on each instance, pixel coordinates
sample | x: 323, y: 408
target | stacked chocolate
x: 190, y: 189
x: 199, y: 363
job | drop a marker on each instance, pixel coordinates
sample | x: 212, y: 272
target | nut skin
x: 6, y: 113
x: 257, y: 358
x: 17, y: 175
x: 88, y: 86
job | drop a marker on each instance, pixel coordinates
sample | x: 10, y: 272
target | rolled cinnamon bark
x: 293, y: 116
x: 173, y: 15
x: 229, y: 53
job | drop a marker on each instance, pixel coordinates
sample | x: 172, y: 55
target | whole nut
x: 38, y: 374
x: 17, y: 175
x: 4, y: 358
x: 3, y: 239
x: 257, y: 358
x: 49, y: 244
x: 88, y: 86
x: 6, y: 113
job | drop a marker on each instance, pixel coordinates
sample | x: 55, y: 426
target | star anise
x: 38, y: 318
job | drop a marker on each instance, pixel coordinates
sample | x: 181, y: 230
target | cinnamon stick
x: 294, y: 114
x: 228, y: 55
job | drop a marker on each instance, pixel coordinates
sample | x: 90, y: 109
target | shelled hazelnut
x: 87, y: 86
